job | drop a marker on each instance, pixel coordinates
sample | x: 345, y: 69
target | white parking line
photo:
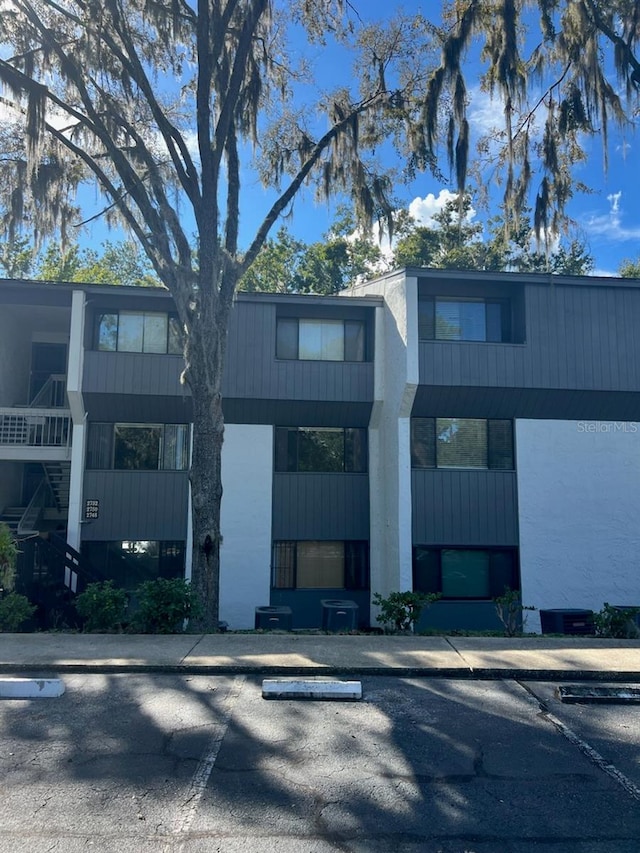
x: 189, y: 807
x: 592, y: 754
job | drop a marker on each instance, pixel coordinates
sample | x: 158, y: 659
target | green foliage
x: 102, y: 606
x: 629, y: 268
x: 14, y: 610
x: 288, y: 265
x: 118, y: 263
x: 164, y: 605
x: 401, y: 610
x: 457, y: 243
x: 16, y: 258
x: 509, y: 609
x: 616, y: 622
x: 8, y: 557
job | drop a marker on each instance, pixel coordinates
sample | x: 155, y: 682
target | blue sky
x: 607, y: 219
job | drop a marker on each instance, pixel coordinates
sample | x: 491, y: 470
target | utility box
x: 339, y: 614
x: 567, y: 621
x: 274, y: 618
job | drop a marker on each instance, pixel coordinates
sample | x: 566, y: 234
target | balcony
x: 35, y: 434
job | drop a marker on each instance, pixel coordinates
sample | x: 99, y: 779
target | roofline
x: 538, y: 279
x: 163, y: 293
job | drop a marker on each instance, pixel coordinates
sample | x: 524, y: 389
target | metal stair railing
x: 30, y: 522
x: 76, y: 570
x: 21, y: 426
x: 52, y: 395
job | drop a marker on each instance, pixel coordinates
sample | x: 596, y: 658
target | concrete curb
x: 44, y: 670
x: 31, y: 688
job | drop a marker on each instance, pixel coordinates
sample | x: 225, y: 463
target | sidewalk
x: 575, y: 658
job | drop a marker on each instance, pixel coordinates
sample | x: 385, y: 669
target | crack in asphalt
x: 585, y: 748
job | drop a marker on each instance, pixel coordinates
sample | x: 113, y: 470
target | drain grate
x: 619, y: 694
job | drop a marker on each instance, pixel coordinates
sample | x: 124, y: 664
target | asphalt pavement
x: 306, y: 654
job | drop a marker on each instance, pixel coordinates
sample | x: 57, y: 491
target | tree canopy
x: 167, y: 105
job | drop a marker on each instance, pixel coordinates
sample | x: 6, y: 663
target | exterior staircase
x: 11, y: 516
x: 58, y: 475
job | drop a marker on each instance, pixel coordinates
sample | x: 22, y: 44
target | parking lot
x: 149, y: 762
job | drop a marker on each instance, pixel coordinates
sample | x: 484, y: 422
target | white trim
x: 76, y: 357
x: 76, y: 485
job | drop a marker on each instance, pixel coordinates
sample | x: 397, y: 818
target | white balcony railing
x: 27, y: 427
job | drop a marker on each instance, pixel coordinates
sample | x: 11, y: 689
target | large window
x: 320, y: 340
x: 138, y: 331
x: 456, y: 319
x: 464, y: 572
x: 138, y: 447
x: 321, y: 450
x: 129, y: 563
x: 320, y: 565
x: 461, y: 443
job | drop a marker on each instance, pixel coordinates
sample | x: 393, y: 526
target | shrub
x: 617, y: 622
x: 164, y: 605
x: 8, y: 556
x: 509, y: 609
x: 102, y: 606
x: 14, y: 610
x: 402, y: 610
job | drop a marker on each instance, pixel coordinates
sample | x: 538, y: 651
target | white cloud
x: 609, y: 226
x: 485, y: 111
x: 423, y: 209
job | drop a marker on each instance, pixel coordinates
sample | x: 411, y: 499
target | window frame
x: 354, y: 350
x: 424, y: 449
x: 496, y: 585
x: 101, y: 446
x: 428, y: 319
x: 287, y: 450
x: 355, y: 560
x: 172, y: 344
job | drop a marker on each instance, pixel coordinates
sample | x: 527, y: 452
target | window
x: 464, y: 573
x: 320, y: 340
x: 461, y: 443
x: 130, y: 563
x: 138, y: 447
x: 138, y: 331
x: 320, y: 565
x: 321, y: 450
x: 457, y: 319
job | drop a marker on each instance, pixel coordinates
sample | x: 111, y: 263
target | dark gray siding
x: 137, y: 505
x: 464, y: 507
x: 252, y: 370
x: 448, y: 401
x: 132, y: 373
x: 321, y: 506
x: 577, y: 337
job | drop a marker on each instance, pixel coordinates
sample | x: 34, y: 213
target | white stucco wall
x: 245, y: 556
x: 579, y: 505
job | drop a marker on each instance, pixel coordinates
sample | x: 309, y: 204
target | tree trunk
x: 204, y: 366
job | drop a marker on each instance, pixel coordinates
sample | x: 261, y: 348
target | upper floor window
x: 457, y: 319
x: 321, y: 450
x: 320, y: 340
x: 138, y: 331
x: 138, y: 447
x: 461, y: 443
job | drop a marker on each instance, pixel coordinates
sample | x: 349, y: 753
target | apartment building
x: 443, y: 431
